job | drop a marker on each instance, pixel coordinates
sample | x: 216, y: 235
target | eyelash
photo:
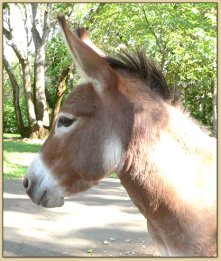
x: 65, y: 122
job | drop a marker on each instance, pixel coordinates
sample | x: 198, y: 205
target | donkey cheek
x: 112, y: 153
x: 76, y: 186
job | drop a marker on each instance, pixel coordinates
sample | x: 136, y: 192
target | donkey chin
x: 41, y: 187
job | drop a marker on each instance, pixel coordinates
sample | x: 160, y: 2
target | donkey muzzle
x: 41, y: 187
x: 42, y: 195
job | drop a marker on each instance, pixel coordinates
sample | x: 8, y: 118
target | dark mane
x: 139, y: 64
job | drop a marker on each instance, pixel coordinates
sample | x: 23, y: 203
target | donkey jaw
x: 40, y: 185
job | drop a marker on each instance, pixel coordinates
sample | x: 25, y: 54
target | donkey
x: 123, y: 119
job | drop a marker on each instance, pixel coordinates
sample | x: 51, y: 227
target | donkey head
x: 91, y: 133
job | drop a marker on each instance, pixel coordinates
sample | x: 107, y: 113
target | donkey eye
x: 65, y: 122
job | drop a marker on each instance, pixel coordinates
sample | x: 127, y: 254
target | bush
x: 9, y: 118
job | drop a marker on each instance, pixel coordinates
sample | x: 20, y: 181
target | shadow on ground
x: 100, y: 222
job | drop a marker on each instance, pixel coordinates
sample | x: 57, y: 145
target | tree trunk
x: 26, y: 75
x: 40, y: 97
x: 60, y: 93
x: 39, y: 69
x: 24, y: 131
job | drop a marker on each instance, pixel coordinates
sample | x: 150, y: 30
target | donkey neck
x: 162, y: 180
x: 158, y: 170
x: 138, y: 173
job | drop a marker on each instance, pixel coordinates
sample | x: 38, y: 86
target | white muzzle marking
x: 41, y: 186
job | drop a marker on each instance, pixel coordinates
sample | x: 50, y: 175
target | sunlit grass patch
x: 12, y: 170
x: 11, y: 136
x: 113, y: 176
x: 17, y: 155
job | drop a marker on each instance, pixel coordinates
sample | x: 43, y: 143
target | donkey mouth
x: 50, y: 201
x: 46, y: 198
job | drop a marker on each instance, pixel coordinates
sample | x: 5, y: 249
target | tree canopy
x: 180, y: 37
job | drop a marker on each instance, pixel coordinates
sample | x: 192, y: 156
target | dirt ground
x: 101, y: 222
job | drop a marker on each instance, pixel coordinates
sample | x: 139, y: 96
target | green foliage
x: 180, y: 37
x: 9, y: 116
x: 57, y: 60
x: 5, y: 6
x: 9, y: 119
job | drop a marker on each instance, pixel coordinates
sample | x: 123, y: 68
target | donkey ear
x: 89, y: 64
x: 84, y: 37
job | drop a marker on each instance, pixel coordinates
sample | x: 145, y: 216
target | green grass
x: 11, y: 136
x: 17, y: 155
x: 113, y: 176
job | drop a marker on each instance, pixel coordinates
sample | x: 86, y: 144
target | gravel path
x: 100, y: 222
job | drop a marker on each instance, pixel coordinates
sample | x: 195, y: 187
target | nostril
x: 25, y: 183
